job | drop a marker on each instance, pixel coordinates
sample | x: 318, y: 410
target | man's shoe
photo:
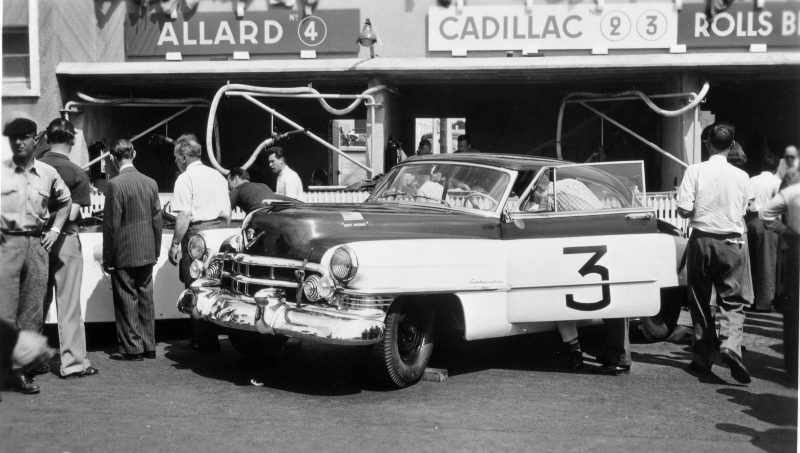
x: 23, y: 384
x: 573, y: 360
x: 90, y: 371
x: 611, y: 369
x: 127, y: 357
x: 149, y: 354
x: 41, y: 369
x: 734, y: 362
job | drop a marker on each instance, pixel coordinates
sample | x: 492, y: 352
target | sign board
x: 259, y: 33
x: 557, y: 26
x: 776, y: 24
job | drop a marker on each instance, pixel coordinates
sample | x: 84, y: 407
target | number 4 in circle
x: 591, y: 267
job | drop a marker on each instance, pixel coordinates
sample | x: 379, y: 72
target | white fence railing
x: 664, y: 203
x: 333, y: 196
x: 666, y: 207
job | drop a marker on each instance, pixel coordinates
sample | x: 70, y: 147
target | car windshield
x: 456, y: 185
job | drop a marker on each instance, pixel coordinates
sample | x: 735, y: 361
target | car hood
x: 306, y: 231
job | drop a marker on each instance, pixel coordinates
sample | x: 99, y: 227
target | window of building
x: 20, y: 48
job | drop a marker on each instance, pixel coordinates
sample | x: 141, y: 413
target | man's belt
x: 703, y: 234
x: 27, y: 233
x: 204, y: 222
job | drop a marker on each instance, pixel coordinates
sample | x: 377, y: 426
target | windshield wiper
x: 431, y: 198
x: 393, y: 193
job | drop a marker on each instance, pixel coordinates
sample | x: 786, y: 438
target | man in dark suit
x: 131, y: 245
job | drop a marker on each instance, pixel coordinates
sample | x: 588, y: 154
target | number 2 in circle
x: 591, y: 267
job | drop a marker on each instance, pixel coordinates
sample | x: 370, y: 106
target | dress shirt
x: 431, y: 189
x: 717, y: 192
x: 27, y: 193
x: 203, y: 192
x: 787, y: 202
x: 762, y: 188
x: 289, y: 184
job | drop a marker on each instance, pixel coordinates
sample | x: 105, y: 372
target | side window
x: 582, y: 187
x: 20, y: 48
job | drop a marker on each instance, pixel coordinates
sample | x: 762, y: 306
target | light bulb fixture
x: 367, y: 38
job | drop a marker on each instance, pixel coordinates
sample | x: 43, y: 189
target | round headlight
x: 316, y: 288
x: 196, y: 247
x: 344, y: 264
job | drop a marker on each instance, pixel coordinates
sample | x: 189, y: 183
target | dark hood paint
x: 306, y: 231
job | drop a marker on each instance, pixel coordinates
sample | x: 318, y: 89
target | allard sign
x: 222, y: 33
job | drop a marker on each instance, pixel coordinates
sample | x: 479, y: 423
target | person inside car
x: 432, y: 188
x: 573, y: 195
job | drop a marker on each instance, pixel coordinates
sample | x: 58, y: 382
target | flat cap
x: 20, y: 123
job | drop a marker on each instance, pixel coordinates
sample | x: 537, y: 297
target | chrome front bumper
x: 269, y: 313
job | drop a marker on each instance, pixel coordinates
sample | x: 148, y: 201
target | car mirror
x: 506, y: 216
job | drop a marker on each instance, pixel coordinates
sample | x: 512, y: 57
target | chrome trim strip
x: 390, y: 292
x: 242, y: 258
x: 259, y: 281
x: 595, y: 283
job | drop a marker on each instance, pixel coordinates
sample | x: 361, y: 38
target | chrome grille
x: 249, y: 274
x: 359, y: 302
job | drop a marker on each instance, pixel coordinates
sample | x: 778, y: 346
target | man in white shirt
x: 432, y: 189
x: 201, y: 202
x: 762, y: 243
x: 289, y: 183
x: 787, y: 205
x: 714, y: 196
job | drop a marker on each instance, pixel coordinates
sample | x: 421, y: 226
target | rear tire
x: 400, y: 359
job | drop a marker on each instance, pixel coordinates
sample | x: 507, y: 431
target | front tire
x: 660, y: 327
x: 400, y: 359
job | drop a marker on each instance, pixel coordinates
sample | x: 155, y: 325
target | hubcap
x: 410, y: 337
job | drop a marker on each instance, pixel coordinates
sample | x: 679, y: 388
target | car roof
x: 509, y: 161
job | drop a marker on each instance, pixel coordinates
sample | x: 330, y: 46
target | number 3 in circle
x: 590, y: 267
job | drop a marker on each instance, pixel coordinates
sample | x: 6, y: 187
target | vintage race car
x: 491, y: 245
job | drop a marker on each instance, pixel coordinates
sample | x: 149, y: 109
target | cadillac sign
x: 259, y: 33
x: 553, y: 26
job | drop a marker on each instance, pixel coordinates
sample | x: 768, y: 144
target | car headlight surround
x: 344, y: 264
x: 318, y: 287
x: 214, y: 268
x: 196, y: 247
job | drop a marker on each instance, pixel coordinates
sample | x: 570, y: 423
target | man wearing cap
x: 28, y: 188
x: 66, y: 258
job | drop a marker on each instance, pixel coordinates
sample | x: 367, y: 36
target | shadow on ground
x: 777, y: 410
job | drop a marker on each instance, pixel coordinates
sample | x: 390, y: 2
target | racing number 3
x: 591, y: 267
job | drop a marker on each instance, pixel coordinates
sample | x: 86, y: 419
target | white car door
x: 582, y: 248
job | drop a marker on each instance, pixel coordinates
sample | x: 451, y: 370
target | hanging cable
x: 255, y: 90
x: 695, y: 100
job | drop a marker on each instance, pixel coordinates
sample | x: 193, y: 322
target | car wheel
x: 659, y: 327
x: 400, y: 359
x: 254, y: 344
